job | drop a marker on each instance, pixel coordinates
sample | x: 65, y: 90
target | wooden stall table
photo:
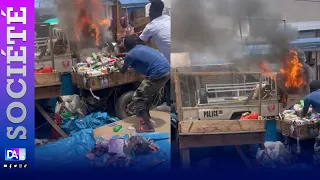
x: 48, y: 86
x: 162, y: 119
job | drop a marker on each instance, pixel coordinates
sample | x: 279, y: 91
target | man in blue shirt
x: 312, y: 99
x: 154, y: 66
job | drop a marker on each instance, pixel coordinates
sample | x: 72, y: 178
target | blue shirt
x: 314, y: 100
x: 147, y: 61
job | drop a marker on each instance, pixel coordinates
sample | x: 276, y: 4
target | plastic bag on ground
x: 71, y: 104
x: 275, y: 154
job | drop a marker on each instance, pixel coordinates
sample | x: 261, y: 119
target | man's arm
x: 146, y: 34
x: 306, y: 106
x: 123, y: 68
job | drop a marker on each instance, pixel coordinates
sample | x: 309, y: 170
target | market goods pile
x: 98, y: 64
x: 121, y: 153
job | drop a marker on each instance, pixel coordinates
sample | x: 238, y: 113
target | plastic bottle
x: 131, y: 131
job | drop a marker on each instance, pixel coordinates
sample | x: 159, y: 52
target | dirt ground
x: 162, y: 120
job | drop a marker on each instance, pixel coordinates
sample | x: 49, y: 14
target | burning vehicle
x: 265, y: 86
x: 82, y: 25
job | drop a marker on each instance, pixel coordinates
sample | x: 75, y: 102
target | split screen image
x: 160, y: 85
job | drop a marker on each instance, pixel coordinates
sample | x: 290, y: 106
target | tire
x: 203, y: 96
x: 122, y: 103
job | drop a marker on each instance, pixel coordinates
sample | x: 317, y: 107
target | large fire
x: 88, y: 23
x: 291, y: 70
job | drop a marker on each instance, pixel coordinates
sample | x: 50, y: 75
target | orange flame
x: 292, y: 70
x: 89, y: 23
x: 105, y: 22
x: 264, y: 68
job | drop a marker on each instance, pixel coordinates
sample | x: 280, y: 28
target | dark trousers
x: 167, y: 91
x: 143, y: 96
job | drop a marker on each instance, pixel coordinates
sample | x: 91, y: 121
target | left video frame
x: 100, y: 86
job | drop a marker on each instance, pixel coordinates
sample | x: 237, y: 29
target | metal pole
x: 260, y: 91
x: 118, y: 21
x: 284, y: 23
x: 39, y: 3
x: 240, y: 30
x: 51, y: 44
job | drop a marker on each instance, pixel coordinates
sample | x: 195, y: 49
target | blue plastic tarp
x: 70, y: 153
x: 67, y: 153
x: 92, y: 121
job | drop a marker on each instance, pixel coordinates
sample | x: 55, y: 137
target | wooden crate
x: 306, y: 131
x: 46, y: 92
x: 113, y: 79
x: 47, y: 78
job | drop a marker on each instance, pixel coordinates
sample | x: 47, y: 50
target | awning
x: 133, y: 3
x: 307, y: 44
x: 52, y: 21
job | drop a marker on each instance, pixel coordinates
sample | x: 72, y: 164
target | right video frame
x: 246, y: 83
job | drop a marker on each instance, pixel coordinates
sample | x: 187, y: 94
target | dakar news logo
x: 15, y: 154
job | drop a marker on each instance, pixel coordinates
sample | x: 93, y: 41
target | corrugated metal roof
x: 133, y: 2
x: 305, y: 26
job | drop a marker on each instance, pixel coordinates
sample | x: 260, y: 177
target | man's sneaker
x: 164, y: 107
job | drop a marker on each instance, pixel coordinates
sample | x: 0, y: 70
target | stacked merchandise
x: 290, y: 117
x: 98, y: 64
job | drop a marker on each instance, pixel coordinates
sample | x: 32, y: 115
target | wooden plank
x: 221, y: 126
x: 53, y: 124
x: 209, y: 140
x: 185, y: 157
x: 47, y: 92
x: 46, y: 78
x: 48, y: 85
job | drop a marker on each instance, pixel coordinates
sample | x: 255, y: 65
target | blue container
x: 271, y: 131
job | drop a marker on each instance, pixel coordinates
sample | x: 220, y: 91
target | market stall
x: 289, y: 124
x: 52, y: 57
x: 97, y: 73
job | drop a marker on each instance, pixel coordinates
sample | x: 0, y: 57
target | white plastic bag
x: 275, y: 153
x: 71, y: 104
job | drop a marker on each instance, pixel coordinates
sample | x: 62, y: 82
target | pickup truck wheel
x: 124, y: 107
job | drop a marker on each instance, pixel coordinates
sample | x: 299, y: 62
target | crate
x: 62, y: 64
x: 47, y: 92
x: 43, y: 79
x: 303, y: 132
x: 96, y: 82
